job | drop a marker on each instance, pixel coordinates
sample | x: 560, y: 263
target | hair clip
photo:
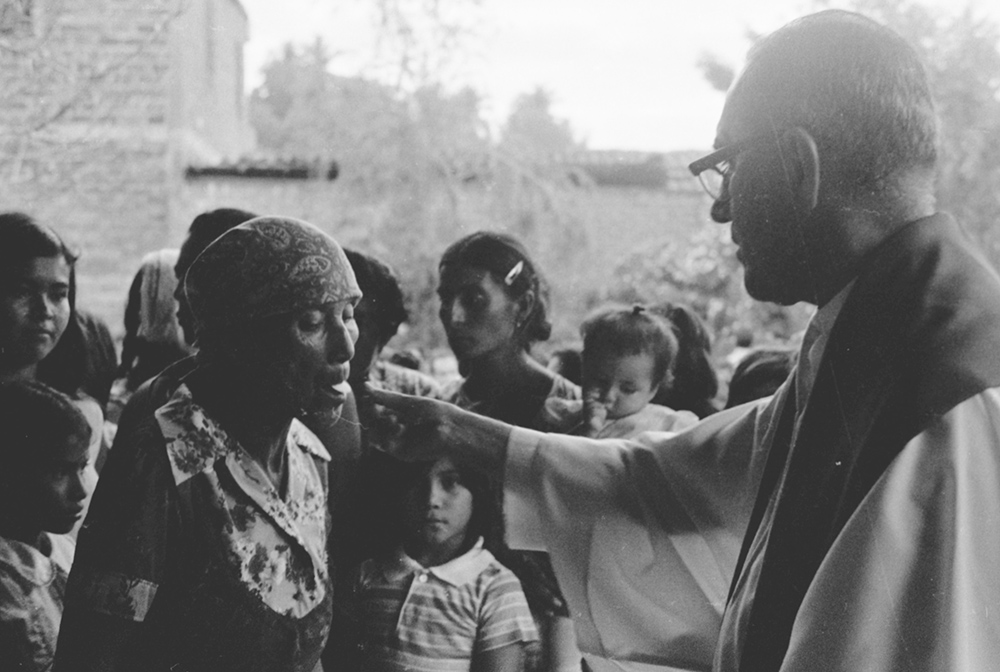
x: 638, y: 310
x: 513, y: 273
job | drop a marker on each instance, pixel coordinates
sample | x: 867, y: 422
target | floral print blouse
x: 264, y: 533
x: 275, y: 546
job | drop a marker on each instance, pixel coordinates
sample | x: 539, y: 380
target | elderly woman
x: 207, y: 544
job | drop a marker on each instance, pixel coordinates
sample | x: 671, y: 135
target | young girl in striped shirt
x: 439, y: 600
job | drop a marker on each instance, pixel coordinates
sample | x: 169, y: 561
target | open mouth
x: 337, y: 390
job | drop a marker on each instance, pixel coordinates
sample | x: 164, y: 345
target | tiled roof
x: 274, y: 168
x: 643, y: 170
x: 599, y: 168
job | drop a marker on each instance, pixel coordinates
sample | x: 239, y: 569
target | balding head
x: 857, y: 87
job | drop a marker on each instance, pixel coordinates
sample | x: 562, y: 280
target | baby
x: 627, y: 356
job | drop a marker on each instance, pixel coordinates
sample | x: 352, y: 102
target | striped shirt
x: 436, y: 619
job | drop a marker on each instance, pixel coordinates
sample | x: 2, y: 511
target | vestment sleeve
x: 911, y: 582
x: 504, y: 617
x: 644, y: 535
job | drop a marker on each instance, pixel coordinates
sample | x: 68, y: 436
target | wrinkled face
x: 368, y: 345
x: 757, y: 199
x: 436, y: 512
x: 476, y: 312
x: 622, y: 383
x: 34, y: 309
x: 61, y: 487
x: 303, y: 365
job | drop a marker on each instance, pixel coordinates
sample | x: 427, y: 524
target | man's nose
x: 720, y: 209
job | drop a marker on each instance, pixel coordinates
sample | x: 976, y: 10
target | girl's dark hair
x: 35, y: 417
x: 759, y: 374
x: 508, y: 261
x: 631, y: 331
x: 570, y: 363
x: 695, y: 383
x: 22, y: 239
x: 487, y: 521
x: 380, y: 284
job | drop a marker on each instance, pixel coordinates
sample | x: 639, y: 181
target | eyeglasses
x: 713, y: 170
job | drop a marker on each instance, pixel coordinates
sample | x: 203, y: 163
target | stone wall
x: 83, y: 135
x: 579, y: 236
x: 101, y: 112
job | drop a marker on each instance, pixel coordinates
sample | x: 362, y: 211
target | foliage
x: 410, y: 158
x: 718, y: 74
x: 704, y: 273
x: 532, y: 130
x: 422, y: 42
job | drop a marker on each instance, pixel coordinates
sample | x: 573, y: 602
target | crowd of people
x: 274, y: 493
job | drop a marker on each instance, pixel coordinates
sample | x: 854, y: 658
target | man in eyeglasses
x: 851, y: 522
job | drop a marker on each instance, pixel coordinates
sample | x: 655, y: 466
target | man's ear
x: 802, y: 164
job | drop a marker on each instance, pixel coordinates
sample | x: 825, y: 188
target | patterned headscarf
x: 267, y: 266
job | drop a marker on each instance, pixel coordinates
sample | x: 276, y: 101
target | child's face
x: 61, y: 486
x: 623, y: 384
x: 437, y: 510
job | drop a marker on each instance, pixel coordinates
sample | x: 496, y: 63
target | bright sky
x: 621, y: 71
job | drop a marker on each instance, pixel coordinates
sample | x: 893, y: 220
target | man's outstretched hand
x: 418, y: 428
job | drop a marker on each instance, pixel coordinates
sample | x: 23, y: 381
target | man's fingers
x: 391, y: 400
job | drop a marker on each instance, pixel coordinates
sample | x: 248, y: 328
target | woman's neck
x: 260, y: 431
x: 10, y: 372
x: 501, y: 372
x: 513, y: 391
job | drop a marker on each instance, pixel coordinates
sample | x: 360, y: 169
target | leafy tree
x: 718, y: 74
x: 422, y: 42
x: 704, y: 273
x: 402, y: 155
x: 532, y: 130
